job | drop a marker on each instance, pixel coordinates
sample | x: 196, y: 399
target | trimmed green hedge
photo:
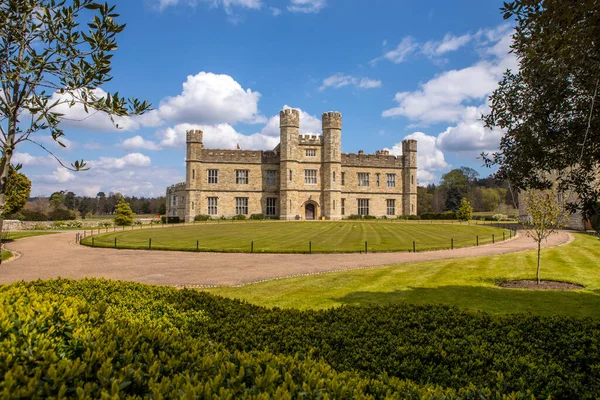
x: 95, y: 338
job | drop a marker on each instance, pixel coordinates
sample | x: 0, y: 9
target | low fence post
x: 452, y: 244
x: 493, y: 239
x: 93, y: 241
x: 477, y: 240
x: 414, y: 247
x: 150, y: 244
x: 503, y: 237
x: 366, y: 248
x: 310, y: 247
x: 197, y: 245
x: 252, y: 247
x: 115, y: 243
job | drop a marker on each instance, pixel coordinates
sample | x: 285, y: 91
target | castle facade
x: 306, y: 177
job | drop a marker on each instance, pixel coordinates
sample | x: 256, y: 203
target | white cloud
x: 340, y: 80
x: 226, y: 4
x: 430, y: 158
x: 469, y: 134
x: 59, y: 175
x: 275, y: 11
x: 26, y: 159
x: 306, y: 6
x: 138, y: 142
x: 401, y: 53
x: 209, y: 98
x: 132, y: 160
x: 446, y: 96
x: 449, y: 43
x: 220, y: 136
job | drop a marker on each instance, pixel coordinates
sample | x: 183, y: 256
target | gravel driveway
x: 52, y: 256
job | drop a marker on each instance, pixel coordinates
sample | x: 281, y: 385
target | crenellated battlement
x: 176, y: 187
x: 371, y: 160
x: 409, y: 145
x: 289, y: 118
x: 332, y: 120
x: 194, y: 136
x: 238, y: 156
x: 310, y: 139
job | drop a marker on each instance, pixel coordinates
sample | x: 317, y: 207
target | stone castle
x: 305, y: 177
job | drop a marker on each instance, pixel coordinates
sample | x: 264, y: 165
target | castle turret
x: 332, y: 164
x: 194, y: 150
x: 409, y: 177
x: 289, y: 125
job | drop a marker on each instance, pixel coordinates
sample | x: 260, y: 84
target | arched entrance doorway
x: 309, y: 212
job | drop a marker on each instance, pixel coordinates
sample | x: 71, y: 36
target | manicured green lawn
x: 6, y: 255
x: 466, y: 283
x: 24, y: 234
x: 298, y: 237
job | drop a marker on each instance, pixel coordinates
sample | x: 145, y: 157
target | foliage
x: 48, y: 61
x: 465, y: 212
x: 162, y: 209
x: 123, y: 214
x: 67, y: 224
x: 453, y: 199
x: 546, y: 215
x: 94, y: 337
x: 105, y: 224
x: 239, y: 217
x: 170, y: 220
x: 202, y: 217
x: 29, y: 215
x: 550, y: 107
x: 61, y: 214
x: 440, y: 216
x: 18, y: 188
x: 257, y: 216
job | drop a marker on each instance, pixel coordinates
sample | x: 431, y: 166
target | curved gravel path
x: 52, y: 256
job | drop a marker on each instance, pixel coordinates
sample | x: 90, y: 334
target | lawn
x: 23, y: 234
x: 466, y: 283
x: 300, y: 237
x: 6, y: 255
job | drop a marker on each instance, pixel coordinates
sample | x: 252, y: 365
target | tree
x: 162, y: 209
x: 57, y: 199
x: 546, y: 216
x: 48, y: 61
x: 465, y: 212
x: 424, y: 200
x: 453, y: 199
x: 18, y: 189
x: 70, y: 201
x: 123, y: 214
x: 549, y: 108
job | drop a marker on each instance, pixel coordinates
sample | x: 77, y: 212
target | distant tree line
x: 66, y: 205
x: 484, y: 194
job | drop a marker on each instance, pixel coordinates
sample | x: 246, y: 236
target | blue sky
x: 394, y: 69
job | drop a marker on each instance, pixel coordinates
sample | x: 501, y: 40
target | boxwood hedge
x: 96, y: 338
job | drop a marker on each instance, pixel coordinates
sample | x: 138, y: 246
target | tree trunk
x: 4, y: 170
x: 537, y: 274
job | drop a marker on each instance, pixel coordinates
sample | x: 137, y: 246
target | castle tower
x: 192, y: 179
x: 332, y: 165
x: 289, y: 125
x: 409, y: 177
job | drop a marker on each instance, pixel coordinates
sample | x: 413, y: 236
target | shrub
x: 465, y: 212
x: 124, y: 216
x: 61, y: 214
x: 442, y: 216
x: 257, y: 216
x: 104, y: 224
x: 499, y: 217
x: 170, y: 220
x: 239, y: 217
x: 369, y: 217
x: 67, y: 224
x: 96, y: 338
x: 354, y: 216
x: 413, y: 217
x: 202, y: 217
